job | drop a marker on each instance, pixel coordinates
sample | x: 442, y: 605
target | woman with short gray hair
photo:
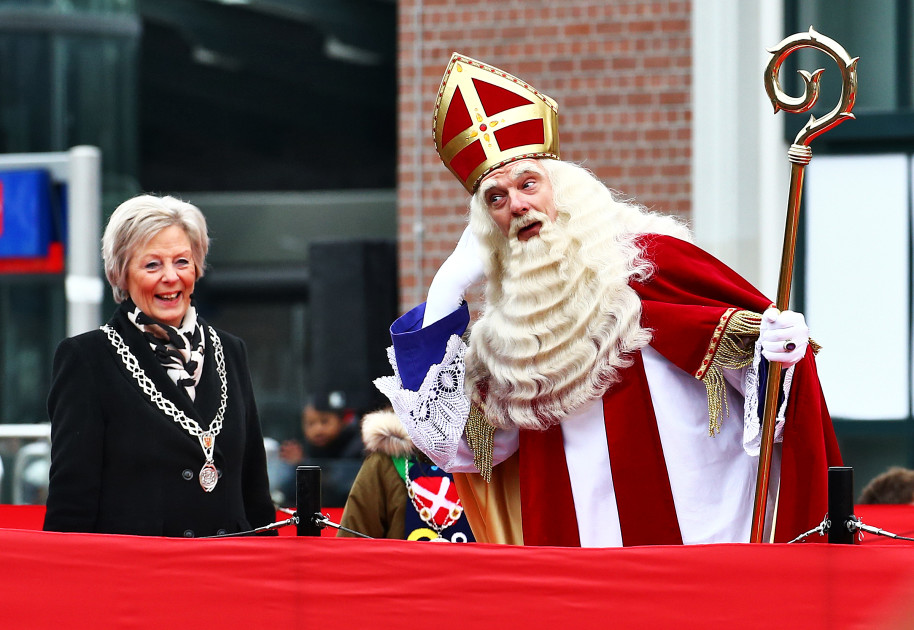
x: 154, y: 427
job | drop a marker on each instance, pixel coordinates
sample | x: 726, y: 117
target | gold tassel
x: 733, y: 347
x: 815, y: 347
x: 481, y: 440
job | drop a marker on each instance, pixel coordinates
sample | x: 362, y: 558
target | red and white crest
x: 436, y: 500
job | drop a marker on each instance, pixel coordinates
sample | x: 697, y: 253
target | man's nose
x: 518, y: 204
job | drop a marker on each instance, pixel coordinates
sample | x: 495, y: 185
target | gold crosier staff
x: 799, y: 156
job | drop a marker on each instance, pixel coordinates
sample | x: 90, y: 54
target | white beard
x: 556, y: 330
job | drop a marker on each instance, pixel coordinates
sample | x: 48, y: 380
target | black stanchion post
x: 840, y: 504
x: 308, y: 499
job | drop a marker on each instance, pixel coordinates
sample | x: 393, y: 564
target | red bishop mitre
x: 485, y: 118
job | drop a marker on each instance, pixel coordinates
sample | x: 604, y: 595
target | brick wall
x: 620, y: 71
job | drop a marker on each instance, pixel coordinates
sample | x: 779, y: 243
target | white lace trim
x: 752, y: 425
x: 436, y: 415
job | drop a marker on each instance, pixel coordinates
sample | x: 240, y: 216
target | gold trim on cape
x: 732, y: 347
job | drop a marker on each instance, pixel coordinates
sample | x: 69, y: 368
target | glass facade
x: 68, y: 76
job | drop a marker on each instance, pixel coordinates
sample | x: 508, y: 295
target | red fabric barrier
x: 54, y: 580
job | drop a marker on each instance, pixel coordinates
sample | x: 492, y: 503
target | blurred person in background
x: 330, y: 438
x: 894, y: 486
x: 154, y: 427
x: 326, y: 433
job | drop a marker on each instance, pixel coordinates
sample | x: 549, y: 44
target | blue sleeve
x: 763, y: 368
x: 416, y: 349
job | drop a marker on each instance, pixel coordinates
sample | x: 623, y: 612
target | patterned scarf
x: 179, y: 350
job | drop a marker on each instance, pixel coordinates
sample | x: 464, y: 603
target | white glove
x: 462, y: 269
x: 784, y: 336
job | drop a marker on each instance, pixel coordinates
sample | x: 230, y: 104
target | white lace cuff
x: 752, y: 425
x: 434, y: 416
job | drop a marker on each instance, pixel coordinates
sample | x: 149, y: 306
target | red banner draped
x: 54, y: 580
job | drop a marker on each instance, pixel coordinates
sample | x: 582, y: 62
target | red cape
x: 687, y: 303
x: 683, y: 301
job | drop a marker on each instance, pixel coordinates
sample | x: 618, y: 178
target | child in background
x: 332, y: 440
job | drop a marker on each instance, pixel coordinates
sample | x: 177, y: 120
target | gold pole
x: 799, y: 155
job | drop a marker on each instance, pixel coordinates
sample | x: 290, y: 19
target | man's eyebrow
x: 520, y: 170
x: 525, y: 169
x: 487, y: 186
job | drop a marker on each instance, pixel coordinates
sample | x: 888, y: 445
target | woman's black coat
x: 120, y: 465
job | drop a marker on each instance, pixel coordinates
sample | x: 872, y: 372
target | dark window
x: 267, y: 95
